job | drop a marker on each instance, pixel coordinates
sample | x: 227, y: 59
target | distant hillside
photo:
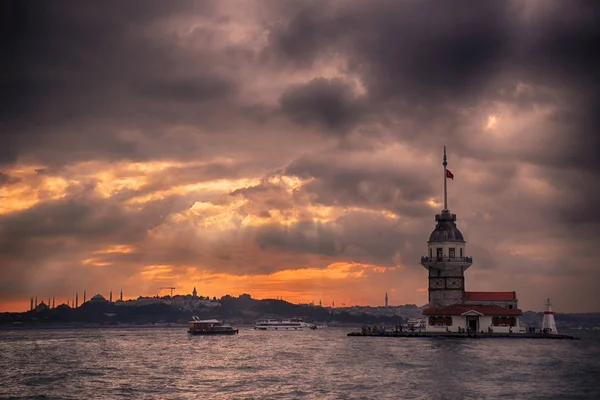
x: 563, y: 321
x: 180, y: 309
x: 240, y: 310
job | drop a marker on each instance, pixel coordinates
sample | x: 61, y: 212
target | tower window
x: 461, y: 253
x: 439, y: 253
x: 430, y: 253
x: 451, y: 252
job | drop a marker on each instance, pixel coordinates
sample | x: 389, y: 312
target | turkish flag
x: 449, y: 174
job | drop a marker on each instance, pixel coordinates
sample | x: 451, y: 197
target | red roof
x: 490, y: 296
x: 460, y: 309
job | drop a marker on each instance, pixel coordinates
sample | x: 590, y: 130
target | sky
x: 293, y: 148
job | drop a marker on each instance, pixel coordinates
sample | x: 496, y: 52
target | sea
x: 167, y: 363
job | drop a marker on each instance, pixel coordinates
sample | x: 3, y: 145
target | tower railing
x: 446, y: 259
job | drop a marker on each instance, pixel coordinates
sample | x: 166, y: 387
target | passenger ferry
x: 210, y: 327
x: 292, y: 324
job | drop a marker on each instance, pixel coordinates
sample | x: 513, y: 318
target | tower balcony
x: 435, y: 260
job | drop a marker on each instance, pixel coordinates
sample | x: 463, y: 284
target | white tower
x: 446, y: 260
x: 548, y: 323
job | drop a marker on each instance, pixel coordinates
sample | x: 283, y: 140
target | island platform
x: 456, y: 335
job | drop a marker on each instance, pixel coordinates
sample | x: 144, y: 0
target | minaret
x: 31, y: 304
x: 84, y: 295
x: 446, y: 260
x: 35, y: 304
x: 386, y: 299
x: 76, y: 299
x: 121, y: 295
x: 548, y: 323
x: 48, y: 302
x: 194, y: 293
x: 53, y: 301
x: 110, y: 296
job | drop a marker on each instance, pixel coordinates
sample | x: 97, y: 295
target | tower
x: 76, y: 299
x: 84, y: 295
x: 446, y: 260
x: 121, y: 295
x: 548, y: 323
x: 110, y: 296
x: 194, y: 293
x: 386, y: 299
x: 31, y: 304
x: 53, y: 302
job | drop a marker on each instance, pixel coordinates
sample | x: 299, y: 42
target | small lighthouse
x: 548, y: 323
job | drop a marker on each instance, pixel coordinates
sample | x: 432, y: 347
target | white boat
x: 292, y: 324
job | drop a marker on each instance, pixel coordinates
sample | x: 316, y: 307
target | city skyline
x: 294, y: 149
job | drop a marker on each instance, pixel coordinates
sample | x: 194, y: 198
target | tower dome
x: 445, y: 229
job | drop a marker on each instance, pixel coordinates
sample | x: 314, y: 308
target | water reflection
x: 165, y: 363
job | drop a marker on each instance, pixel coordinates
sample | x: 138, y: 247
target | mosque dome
x: 98, y: 297
x: 445, y: 229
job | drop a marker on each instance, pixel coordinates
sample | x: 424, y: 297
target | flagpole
x: 445, y: 163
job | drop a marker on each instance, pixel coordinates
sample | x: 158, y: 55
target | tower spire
x: 445, y: 163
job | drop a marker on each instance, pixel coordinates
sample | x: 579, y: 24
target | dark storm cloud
x: 78, y: 75
x: 356, y: 236
x: 302, y: 237
x: 426, y: 60
x: 341, y: 180
x: 329, y: 103
x: 194, y: 90
x: 416, y: 50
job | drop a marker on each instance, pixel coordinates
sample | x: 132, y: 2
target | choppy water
x: 166, y: 363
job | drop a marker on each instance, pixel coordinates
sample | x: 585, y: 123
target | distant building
x: 98, y: 299
x: 450, y: 307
